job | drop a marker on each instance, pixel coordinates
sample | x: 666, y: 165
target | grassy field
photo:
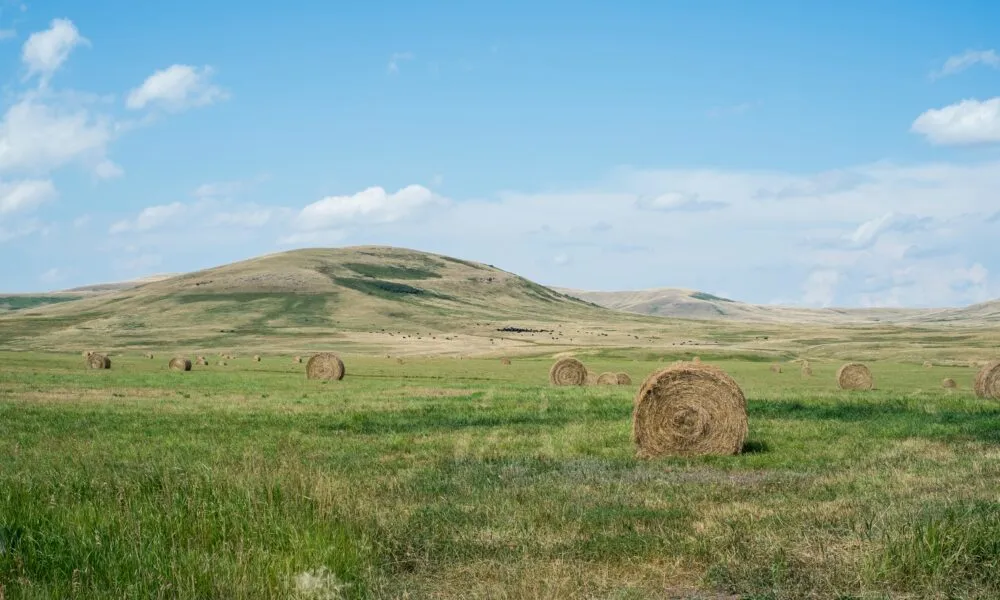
x: 449, y: 478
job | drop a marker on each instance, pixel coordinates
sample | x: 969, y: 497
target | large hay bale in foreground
x: 568, y: 371
x: 179, y: 364
x: 325, y: 365
x: 624, y: 379
x: 855, y: 376
x: 987, y: 383
x: 98, y: 361
x: 948, y: 383
x: 689, y: 409
x: 607, y: 379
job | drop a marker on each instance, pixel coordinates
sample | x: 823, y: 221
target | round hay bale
x: 256, y: 358
x: 807, y: 371
x: 505, y: 362
x: 399, y: 361
x: 325, y: 365
x: 607, y: 379
x: 948, y: 383
x: 201, y: 362
x: 689, y: 409
x: 179, y: 364
x: 696, y: 359
x: 855, y: 376
x: 98, y: 361
x: 624, y: 379
x: 987, y: 384
x: 568, y: 371
x: 776, y: 368
x: 86, y: 353
x: 591, y: 378
x: 297, y: 359
x: 928, y: 364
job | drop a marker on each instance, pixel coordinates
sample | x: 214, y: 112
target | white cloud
x: 372, y: 205
x: 326, y: 237
x: 176, y: 88
x: 7, y: 34
x: 107, y: 169
x: 562, y: 259
x: 151, y: 218
x: 820, y: 288
x: 677, y: 201
x: 25, y: 195
x: 964, y: 123
x: 396, y: 59
x: 45, y: 51
x: 39, y: 137
x: 960, y: 62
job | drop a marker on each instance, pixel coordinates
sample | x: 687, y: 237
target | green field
x: 451, y: 478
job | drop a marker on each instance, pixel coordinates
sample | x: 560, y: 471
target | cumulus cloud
x: 152, y: 217
x: 964, y: 123
x: 969, y: 58
x: 25, y: 195
x: 45, y: 51
x: 36, y: 136
x: 371, y: 206
x: 176, y: 88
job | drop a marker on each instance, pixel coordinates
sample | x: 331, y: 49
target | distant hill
x: 690, y: 304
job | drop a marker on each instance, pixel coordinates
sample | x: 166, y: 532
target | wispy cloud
x: 677, y: 202
x: 961, y: 62
x: 396, y: 59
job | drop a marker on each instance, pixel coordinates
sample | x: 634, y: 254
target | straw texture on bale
x: 98, y: 361
x: 689, y: 409
x: 987, y: 383
x: 505, y: 362
x: 948, y: 383
x: 325, y: 365
x: 776, y: 368
x: 607, y: 379
x: 568, y: 371
x: 179, y: 364
x: 624, y: 379
x: 855, y: 376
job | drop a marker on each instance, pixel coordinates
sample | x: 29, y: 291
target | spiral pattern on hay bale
x: 624, y: 379
x: 325, y: 366
x: 98, y: 361
x: 948, y: 383
x: 568, y: 371
x: 689, y: 409
x: 855, y: 376
x: 179, y: 364
x: 607, y: 379
x: 987, y: 384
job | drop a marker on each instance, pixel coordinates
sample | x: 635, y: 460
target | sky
x: 825, y: 153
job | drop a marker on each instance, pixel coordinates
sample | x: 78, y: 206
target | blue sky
x: 820, y: 153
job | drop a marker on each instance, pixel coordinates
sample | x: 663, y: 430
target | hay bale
x: 807, y: 371
x: 201, y: 362
x: 98, y: 361
x: 855, y: 376
x: 607, y: 379
x: 297, y: 359
x: 399, y: 361
x: 568, y: 371
x: 256, y: 358
x: 948, y: 383
x: 689, y: 409
x: 179, y: 364
x: 591, y: 378
x: 222, y: 363
x: 775, y: 368
x: 928, y: 364
x: 325, y: 365
x: 505, y: 361
x: 624, y: 379
x: 696, y: 359
x: 987, y: 384
x: 86, y: 353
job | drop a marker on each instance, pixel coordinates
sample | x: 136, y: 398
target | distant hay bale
x: 256, y: 357
x: 987, y: 384
x: 149, y: 355
x: 98, y: 361
x: 776, y: 368
x: 179, y: 364
x: 855, y: 376
x: 568, y: 371
x: 689, y: 409
x: 807, y: 371
x: 591, y: 378
x: 325, y: 365
x: 222, y: 363
x: 297, y: 359
x: 624, y: 379
x: 505, y: 361
x: 399, y: 361
x: 607, y: 379
x: 696, y: 359
x: 201, y: 362
x: 948, y: 383
x: 928, y: 364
